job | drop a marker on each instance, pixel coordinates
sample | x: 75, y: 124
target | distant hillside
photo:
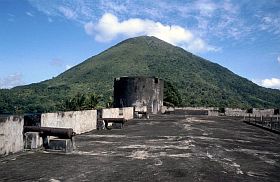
x: 199, y: 81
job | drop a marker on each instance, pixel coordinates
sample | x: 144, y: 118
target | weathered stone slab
x: 61, y: 145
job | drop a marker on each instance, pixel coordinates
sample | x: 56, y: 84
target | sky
x: 40, y: 39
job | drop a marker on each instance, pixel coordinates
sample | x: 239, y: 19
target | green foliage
x: 109, y: 102
x: 93, y: 100
x: 82, y: 102
x: 171, y: 94
x: 196, y: 81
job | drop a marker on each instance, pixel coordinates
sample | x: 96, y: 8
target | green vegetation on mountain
x: 191, y: 80
x: 172, y: 96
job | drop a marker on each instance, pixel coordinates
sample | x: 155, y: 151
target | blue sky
x: 41, y: 39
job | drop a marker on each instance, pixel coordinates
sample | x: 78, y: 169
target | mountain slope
x: 200, y: 82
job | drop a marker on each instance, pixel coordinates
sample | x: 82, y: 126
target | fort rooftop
x: 163, y: 148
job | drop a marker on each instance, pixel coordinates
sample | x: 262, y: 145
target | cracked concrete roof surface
x: 163, y: 148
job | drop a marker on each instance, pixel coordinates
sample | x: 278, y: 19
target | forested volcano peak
x: 198, y: 82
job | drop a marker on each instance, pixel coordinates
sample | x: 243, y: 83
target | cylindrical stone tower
x: 139, y: 92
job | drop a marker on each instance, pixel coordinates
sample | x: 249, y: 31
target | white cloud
x: 109, y: 27
x: 29, y: 13
x: 278, y: 59
x: 111, y: 6
x: 67, y: 12
x: 58, y: 63
x: 270, y: 23
x: 211, y: 20
x: 269, y: 83
x: 205, y: 7
x: 200, y: 45
x: 67, y: 67
x: 89, y: 28
x: 11, y: 80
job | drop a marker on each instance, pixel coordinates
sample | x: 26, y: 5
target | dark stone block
x: 63, y: 145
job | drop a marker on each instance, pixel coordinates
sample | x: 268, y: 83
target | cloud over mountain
x: 109, y: 27
x: 271, y: 83
x: 11, y: 80
x: 205, y: 20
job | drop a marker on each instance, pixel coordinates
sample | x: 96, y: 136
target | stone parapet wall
x: 128, y: 113
x: 214, y: 111
x: 11, y: 137
x: 262, y: 112
x: 80, y: 121
x: 125, y: 112
x: 197, y: 108
x: 111, y: 113
x: 235, y: 112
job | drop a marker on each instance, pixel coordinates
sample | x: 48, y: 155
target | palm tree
x: 93, y: 101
